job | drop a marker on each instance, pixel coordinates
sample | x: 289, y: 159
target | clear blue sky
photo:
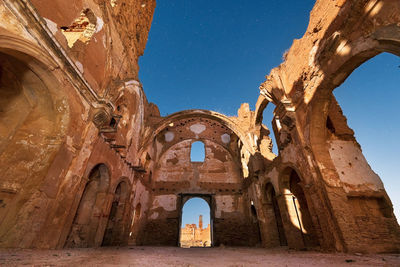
x: 215, y: 54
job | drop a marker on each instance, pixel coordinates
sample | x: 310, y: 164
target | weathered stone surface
x: 86, y: 161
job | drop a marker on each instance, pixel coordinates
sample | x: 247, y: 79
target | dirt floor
x: 173, y: 256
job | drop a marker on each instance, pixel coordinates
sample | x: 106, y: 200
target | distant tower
x: 201, y: 221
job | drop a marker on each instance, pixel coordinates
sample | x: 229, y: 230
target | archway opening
x: 195, y: 224
x: 373, y: 117
x: 86, y: 227
x: 197, y: 152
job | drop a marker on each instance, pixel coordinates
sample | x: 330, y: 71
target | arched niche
x: 276, y: 230
x: 34, y: 117
x: 116, y: 230
x: 299, y: 226
x: 186, y: 124
x: 86, y: 230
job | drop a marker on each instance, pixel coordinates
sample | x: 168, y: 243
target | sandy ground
x: 174, y: 256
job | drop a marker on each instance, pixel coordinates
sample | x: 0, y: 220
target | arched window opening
x: 197, y: 152
x: 195, y: 226
x: 89, y: 213
x: 268, y: 120
x: 272, y: 201
x: 369, y: 98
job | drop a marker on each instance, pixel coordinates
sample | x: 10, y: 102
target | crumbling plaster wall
x: 119, y: 37
x: 219, y: 175
x: 86, y: 54
x: 314, y: 136
x: 92, y: 75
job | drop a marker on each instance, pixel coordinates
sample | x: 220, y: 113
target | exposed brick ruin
x: 86, y: 161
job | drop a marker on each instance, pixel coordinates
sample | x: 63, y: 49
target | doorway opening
x: 196, y: 222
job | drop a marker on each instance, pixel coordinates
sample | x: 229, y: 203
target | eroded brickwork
x: 86, y: 161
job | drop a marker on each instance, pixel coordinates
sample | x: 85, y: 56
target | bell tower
x: 201, y: 221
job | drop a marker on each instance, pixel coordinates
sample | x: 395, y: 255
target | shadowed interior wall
x: 75, y: 122
x: 32, y: 125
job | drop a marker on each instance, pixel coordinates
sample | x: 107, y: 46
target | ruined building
x: 193, y: 236
x: 87, y: 161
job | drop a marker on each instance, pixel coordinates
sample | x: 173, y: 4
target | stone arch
x: 322, y: 126
x: 204, y: 114
x: 86, y: 229
x: 219, y: 161
x: 33, y: 122
x: 271, y: 91
x: 204, y: 141
x: 187, y: 197
x: 116, y: 229
x: 127, y: 185
x: 261, y: 105
x: 269, y: 134
x: 285, y: 174
x: 385, y: 39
